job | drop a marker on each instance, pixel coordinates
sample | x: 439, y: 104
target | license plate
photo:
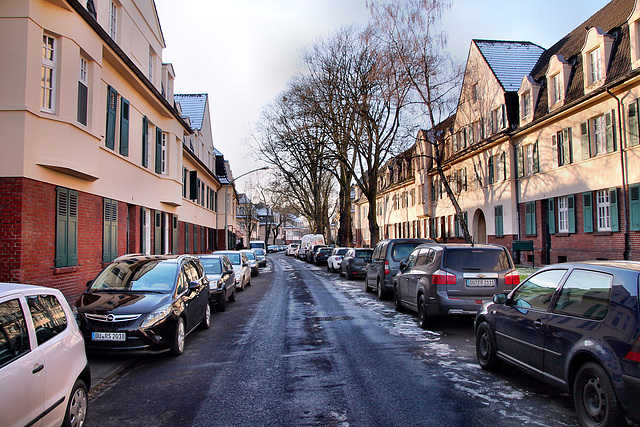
x: 108, y: 336
x: 481, y: 282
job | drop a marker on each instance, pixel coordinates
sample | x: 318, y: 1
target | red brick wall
x: 10, y: 228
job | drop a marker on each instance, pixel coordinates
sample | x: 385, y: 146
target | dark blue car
x: 576, y: 327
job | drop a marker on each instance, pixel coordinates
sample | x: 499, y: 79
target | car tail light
x: 512, y: 278
x: 442, y: 277
x: 634, y: 352
x: 386, y: 266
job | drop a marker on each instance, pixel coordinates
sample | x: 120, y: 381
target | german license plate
x: 481, y: 282
x: 108, y: 336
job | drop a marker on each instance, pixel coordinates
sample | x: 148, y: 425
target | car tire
x: 249, y: 282
x: 396, y: 300
x: 77, y: 407
x: 595, y: 399
x: 222, y: 301
x: 367, y: 289
x: 486, y: 347
x: 423, y: 317
x: 232, y: 297
x: 328, y: 268
x: 382, y: 295
x: 177, y: 345
x: 241, y: 289
x: 205, y: 323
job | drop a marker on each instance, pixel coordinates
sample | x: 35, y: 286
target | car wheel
x: 349, y: 275
x: 486, y: 347
x: 366, y: 284
x: 232, y: 297
x: 396, y: 299
x: 78, y: 403
x: 328, y: 268
x: 205, y: 323
x: 241, y: 289
x: 594, y: 397
x: 222, y: 301
x: 177, y: 346
x: 423, y: 318
x: 249, y: 282
x: 381, y: 293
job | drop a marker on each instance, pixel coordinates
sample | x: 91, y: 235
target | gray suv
x: 445, y: 279
x: 385, y: 262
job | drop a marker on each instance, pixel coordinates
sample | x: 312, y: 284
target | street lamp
x: 226, y: 196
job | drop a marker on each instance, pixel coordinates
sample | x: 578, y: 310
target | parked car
x: 311, y: 253
x: 261, y: 257
x: 43, y: 365
x: 354, y: 262
x: 322, y: 255
x: 444, y: 279
x: 291, y: 249
x: 257, y: 244
x: 335, y: 259
x: 241, y: 266
x: 145, y: 303
x: 222, y: 279
x: 253, y: 261
x: 577, y: 327
x: 272, y: 249
x: 385, y: 262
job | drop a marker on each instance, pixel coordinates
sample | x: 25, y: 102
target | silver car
x: 253, y: 260
x: 241, y: 266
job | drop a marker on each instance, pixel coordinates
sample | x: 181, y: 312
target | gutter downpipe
x: 515, y: 156
x: 627, y: 244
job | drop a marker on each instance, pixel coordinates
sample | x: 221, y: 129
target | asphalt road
x: 303, y: 346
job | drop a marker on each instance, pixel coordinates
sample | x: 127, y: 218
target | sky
x: 243, y: 52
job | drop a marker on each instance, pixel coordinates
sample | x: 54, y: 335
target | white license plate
x: 481, y: 282
x: 108, y: 336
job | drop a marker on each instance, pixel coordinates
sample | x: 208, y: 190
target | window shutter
x: 158, y: 150
x: 634, y: 207
x: 83, y: 95
x: 584, y: 140
x: 611, y: 132
x: 157, y: 238
x: 62, y: 208
x: 567, y: 146
x: 499, y: 221
x: 554, y: 150
x: 520, y: 162
x: 456, y: 225
x: 112, y: 98
x: 124, y: 127
x: 72, y: 234
x: 106, y: 230
x: 503, y: 159
x: 529, y: 210
x: 634, y: 136
x: 490, y: 171
x: 536, y: 160
x: 503, y: 114
x: 186, y: 238
x: 145, y: 142
x: 551, y: 215
x: 571, y: 203
x: 193, y: 185
x: 587, y: 212
x: 613, y: 209
x: 175, y: 235
x: 142, y: 236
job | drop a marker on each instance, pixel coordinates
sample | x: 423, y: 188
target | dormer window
x: 595, y: 65
x: 528, y: 95
x: 596, y: 52
x: 526, y: 104
x: 558, y: 75
x: 556, y: 88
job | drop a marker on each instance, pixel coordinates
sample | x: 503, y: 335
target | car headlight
x: 156, y: 316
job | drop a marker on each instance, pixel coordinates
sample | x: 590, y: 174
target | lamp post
x: 226, y: 196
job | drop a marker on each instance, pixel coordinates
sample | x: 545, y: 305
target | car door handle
x: 537, y: 323
x: 37, y: 369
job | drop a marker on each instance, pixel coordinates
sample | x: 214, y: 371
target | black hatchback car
x: 577, y: 327
x: 144, y: 303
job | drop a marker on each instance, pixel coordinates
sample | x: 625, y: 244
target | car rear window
x: 341, y: 251
x: 366, y: 254
x: 477, y: 259
x: 402, y: 250
x: 212, y: 265
x: 325, y: 250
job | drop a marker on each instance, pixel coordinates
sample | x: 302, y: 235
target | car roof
x: 143, y: 257
x: 9, y: 288
x: 462, y: 245
x: 623, y: 265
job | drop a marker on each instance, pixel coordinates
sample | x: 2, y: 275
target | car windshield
x: 234, y: 258
x: 212, y: 265
x: 476, y: 259
x: 145, y: 276
x: 259, y: 251
x: 364, y: 254
x: 341, y: 251
x: 402, y: 250
x: 251, y: 255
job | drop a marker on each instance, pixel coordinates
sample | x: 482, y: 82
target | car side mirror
x: 193, y: 285
x: 403, y: 265
x: 500, y: 298
x: 89, y: 282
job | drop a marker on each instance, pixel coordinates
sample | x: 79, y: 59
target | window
x: 528, y: 163
x: 110, y: 230
x: 498, y: 119
x: 585, y: 294
x: 563, y: 215
x: 47, y: 92
x: 159, y: 151
x: 562, y: 147
x: 526, y: 104
x: 604, y: 138
x: 124, y: 127
x: 150, y: 64
x: 600, y: 135
x: 113, y: 20
x: 66, y: 227
x: 595, y: 66
x: 14, y: 341
x: 110, y: 137
x: 164, y: 153
x: 83, y: 92
x: 603, y: 210
x: 537, y: 291
x: 634, y: 131
x: 530, y: 218
x: 48, y: 316
x: 474, y: 92
x: 556, y: 89
x: 529, y: 159
x: 498, y: 211
x: 145, y: 142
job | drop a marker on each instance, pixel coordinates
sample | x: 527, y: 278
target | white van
x: 258, y: 244
x: 307, y: 241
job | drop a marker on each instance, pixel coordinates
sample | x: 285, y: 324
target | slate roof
x: 613, y: 20
x: 193, y: 106
x: 510, y: 60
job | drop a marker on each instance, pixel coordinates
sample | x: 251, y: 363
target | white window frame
x: 48, y: 76
x: 113, y: 20
x: 556, y: 82
x: 150, y: 145
x: 528, y: 159
x: 595, y: 65
x: 600, y: 134
x: 83, y: 79
x: 563, y: 214
x: 163, y: 163
x: 603, y: 205
x: 150, y: 64
x: 526, y: 104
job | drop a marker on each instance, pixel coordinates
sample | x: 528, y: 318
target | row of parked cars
x: 575, y: 326
x: 137, y: 304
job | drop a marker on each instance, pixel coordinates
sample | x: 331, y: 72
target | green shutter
x: 536, y: 159
x: 499, y: 219
x: 634, y: 136
x: 186, y: 238
x: 109, y: 230
x: 611, y: 131
x: 83, y: 96
x: 634, y: 207
x: 584, y: 140
x: 587, y: 212
x: 158, y: 150
x: 72, y: 233
x: 145, y: 142
x: 571, y: 203
x: 490, y: 170
x: 567, y: 146
x: 66, y: 227
x: 112, y: 98
x: 158, y: 233
x: 551, y: 215
x: 456, y: 226
x: 114, y: 230
x: 503, y: 159
x: 143, y: 241
x: 175, y: 235
x: 124, y: 127
x: 613, y: 209
x: 530, y: 217
x: 520, y: 162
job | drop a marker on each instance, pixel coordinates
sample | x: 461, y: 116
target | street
x: 303, y: 346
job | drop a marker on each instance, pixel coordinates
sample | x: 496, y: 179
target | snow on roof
x: 193, y: 106
x: 510, y: 60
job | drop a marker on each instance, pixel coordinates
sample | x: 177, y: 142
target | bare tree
x: 247, y: 216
